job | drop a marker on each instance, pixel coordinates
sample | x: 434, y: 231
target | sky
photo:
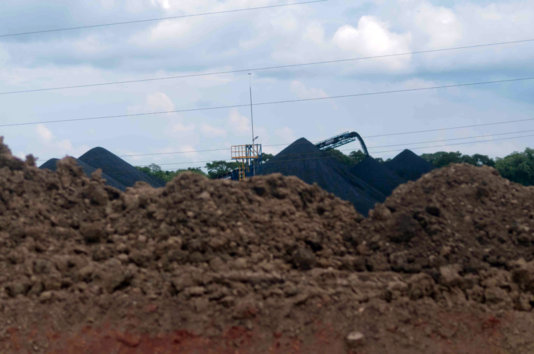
x: 274, y: 36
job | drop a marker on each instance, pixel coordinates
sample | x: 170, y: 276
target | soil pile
x: 376, y: 175
x: 305, y: 161
x: 460, y: 214
x: 408, y: 165
x: 460, y: 225
x: 268, y: 265
x: 87, y: 169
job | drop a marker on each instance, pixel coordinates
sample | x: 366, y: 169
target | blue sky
x: 333, y: 29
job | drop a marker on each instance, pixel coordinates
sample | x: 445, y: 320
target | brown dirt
x: 445, y: 265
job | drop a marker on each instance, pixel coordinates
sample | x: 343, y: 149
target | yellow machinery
x: 248, y: 157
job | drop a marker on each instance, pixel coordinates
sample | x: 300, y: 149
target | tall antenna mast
x: 251, y: 106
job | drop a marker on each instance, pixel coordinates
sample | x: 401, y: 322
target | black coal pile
x: 377, y: 175
x: 117, y: 168
x: 408, y: 166
x: 117, y: 172
x: 305, y: 161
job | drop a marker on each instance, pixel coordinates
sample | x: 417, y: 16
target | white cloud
x: 90, y: 45
x: 285, y: 134
x: 212, y: 131
x: 52, y: 145
x: 314, y: 33
x: 303, y: 91
x: 154, y: 102
x: 187, y: 151
x: 4, y: 56
x: 165, y: 4
x: 159, y: 101
x: 190, y: 152
x: 44, y: 133
x: 238, y: 122
x: 182, y: 128
x: 437, y: 26
x: 170, y: 31
x: 372, y: 37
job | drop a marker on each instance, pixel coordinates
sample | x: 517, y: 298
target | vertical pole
x: 251, y: 121
x: 251, y: 107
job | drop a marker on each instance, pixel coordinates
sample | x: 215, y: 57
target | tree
x: 480, y: 160
x: 338, y: 155
x: 353, y: 158
x: 196, y: 170
x: 518, y: 167
x: 218, y: 169
x: 156, y: 171
x: 266, y: 157
x: 357, y: 157
x: 441, y: 159
x: 153, y: 168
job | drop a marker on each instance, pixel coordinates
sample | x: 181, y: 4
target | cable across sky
x: 265, y: 68
x: 366, y: 137
x: 157, y: 19
x: 268, y: 103
x: 376, y: 152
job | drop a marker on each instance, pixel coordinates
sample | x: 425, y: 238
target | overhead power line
x: 375, y: 93
x: 264, y: 68
x: 366, y: 137
x: 465, y: 143
x: 376, y: 152
x: 450, y: 128
x: 157, y: 19
x: 455, y: 139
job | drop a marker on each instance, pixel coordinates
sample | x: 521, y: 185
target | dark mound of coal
x: 117, y: 168
x: 50, y: 165
x: 87, y: 169
x: 377, y: 175
x: 303, y: 160
x: 408, y: 165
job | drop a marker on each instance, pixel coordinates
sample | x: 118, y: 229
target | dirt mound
x: 461, y: 225
x: 87, y: 169
x: 268, y: 265
x: 377, y: 175
x: 305, y: 161
x: 408, y: 165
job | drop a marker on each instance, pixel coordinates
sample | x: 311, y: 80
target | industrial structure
x: 340, y: 140
x: 249, y: 159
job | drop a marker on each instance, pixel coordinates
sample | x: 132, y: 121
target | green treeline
x: 517, y: 167
x: 156, y: 171
x: 215, y: 169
